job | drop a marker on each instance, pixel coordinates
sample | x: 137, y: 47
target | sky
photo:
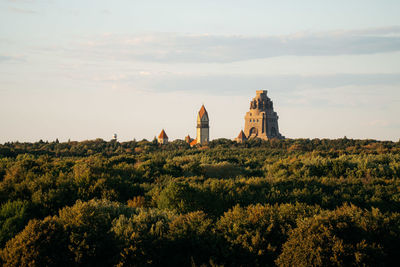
x: 86, y: 69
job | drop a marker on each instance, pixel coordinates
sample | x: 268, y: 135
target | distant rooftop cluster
x: 203, y: 131
x: 260, y: 122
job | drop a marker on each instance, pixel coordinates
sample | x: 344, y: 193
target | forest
x: 292, y: 202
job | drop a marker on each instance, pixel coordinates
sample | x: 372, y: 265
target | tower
x: 162, y: 138
x: 203, y: 129
x: 262, y: 121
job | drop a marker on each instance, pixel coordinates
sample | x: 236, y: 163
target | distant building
x: 261, y: 121
x: 193, y: 142
x: 188, y: 139
x: 162, y: 138
x: 203, y: 129
x: 241, y: 137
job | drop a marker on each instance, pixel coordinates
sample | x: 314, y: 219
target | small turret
x: 241, y: 137
x: 162, y: 138
x: 188, y: 139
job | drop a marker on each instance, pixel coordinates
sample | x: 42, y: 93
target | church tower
x: 203, y: 129
x: 262, y: 121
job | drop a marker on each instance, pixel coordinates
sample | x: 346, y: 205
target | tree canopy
x: 293, y: 202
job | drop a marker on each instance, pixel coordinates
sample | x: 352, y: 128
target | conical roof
x: 241, y: 135
x: 202, y: 112
x: 163, y: 135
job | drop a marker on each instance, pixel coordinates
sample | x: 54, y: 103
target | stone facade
x: 261, y: 121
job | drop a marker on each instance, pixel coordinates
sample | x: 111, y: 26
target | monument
x: 262, y: 121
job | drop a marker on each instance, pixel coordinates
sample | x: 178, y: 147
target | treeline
x: 264, y: 203
x: 113, y: 147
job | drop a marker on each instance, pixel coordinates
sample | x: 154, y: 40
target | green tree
x: 255, y: 234
x: 144, y: 238
x: 88, y: 225
x: 41, y: 243
x: 348, y: 236
x: 178, y: 197
x: 13, y: 217
x: 192, y: 236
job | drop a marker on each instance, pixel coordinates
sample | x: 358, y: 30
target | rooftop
x: 163, y: 135
x: 202, y: 111
x: 241, y: 135
x: 259, y: 92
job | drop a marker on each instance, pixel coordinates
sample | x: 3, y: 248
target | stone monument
x: 262, y: 121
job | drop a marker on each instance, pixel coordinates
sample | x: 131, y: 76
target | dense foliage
x: 261, y: 203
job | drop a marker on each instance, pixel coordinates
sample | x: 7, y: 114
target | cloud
x: 339, y: 91
x: 379, y: 123
x: 11, y: 58
x: 195, y: 48
x: 229, y: 84
x: 23, y: 10
x: 4, y: 58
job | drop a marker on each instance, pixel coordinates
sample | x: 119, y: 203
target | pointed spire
x: 163, y: 135
x: 202, y: 111
x: 188, y: 139
x: 241, y: 135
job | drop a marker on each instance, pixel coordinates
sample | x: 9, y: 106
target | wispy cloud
x: 22, y: 10
x: 243, y: 84
x: 11, y: 58
x: 169, y: 47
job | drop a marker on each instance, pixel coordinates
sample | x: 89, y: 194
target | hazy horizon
x: 83, y: 70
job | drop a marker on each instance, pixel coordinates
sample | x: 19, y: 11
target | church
x: 261, y: 121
